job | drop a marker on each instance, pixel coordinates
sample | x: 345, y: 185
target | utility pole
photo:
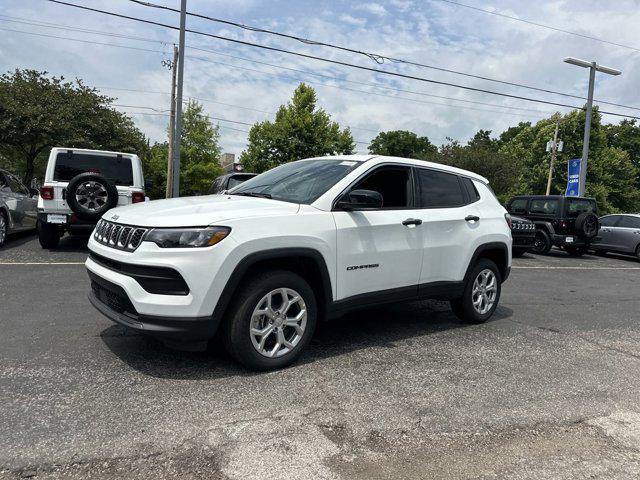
x: 593, y: 67
x: 172, y: 124
x: 178, y: 123
x: 554, y: 148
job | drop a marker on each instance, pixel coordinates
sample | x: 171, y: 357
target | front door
x: 381, y: 250
x: 627, y: 235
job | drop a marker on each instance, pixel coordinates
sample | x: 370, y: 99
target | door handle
x: 412, y: 221
x: 472, y: 218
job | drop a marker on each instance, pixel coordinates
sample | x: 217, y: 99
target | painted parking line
x: 41, y: 263
x: 572, y: 268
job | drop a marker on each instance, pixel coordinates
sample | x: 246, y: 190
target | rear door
x: 378, y: 251
x: 627, y: 234
x: 450, y: 218
x: 607, y: 232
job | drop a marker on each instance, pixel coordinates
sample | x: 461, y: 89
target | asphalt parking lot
x: 549, y: 388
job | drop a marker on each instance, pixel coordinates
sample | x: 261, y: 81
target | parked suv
x: 228, y: 181
x: 81, y: 185
x: 308, y: 240
x: 17, y: 206
x: 566, y: 222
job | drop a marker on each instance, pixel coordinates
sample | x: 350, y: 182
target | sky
x: 240, y: 85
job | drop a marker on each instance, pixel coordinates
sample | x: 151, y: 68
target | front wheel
x: 481, y: 293
x: 271, y: 322
x: 48, y: 235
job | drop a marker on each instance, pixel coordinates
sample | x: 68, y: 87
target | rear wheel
x: 481, y: 293
x: 48, y: 235
x: 271, y: 322
x: 576, y: 251
x: 542, y: 244
x: 638, y: 252
x: 4, y: 227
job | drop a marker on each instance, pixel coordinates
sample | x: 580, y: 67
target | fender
x: 272, y: 254
x: 545, y: 226
x: 504, y: 273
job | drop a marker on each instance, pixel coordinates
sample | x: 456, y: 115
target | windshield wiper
x: 252, y: 194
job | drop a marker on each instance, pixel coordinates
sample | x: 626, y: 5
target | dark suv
x: 566, y: 222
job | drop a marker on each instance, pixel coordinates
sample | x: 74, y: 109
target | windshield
x: 303, y: 181
x: 114, y: 168
x: 237, y: 180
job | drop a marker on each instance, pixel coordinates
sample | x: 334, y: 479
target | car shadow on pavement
x: 17, y: 240
x: 380, y: 327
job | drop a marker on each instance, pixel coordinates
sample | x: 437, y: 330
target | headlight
x: 186, y: 237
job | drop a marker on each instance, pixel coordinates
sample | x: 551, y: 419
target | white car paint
x: 438, y: 250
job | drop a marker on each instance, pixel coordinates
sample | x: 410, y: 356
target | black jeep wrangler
x: 566, y: 222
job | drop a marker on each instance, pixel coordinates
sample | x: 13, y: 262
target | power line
x: 541, y: 25
x: 46, y: 24
x: 395, y: 97
x: 326, y: 60
x: 380, y: 59
x: 49, y: 25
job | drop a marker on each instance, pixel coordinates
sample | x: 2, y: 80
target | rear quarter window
x: 117, y: 169
x: 576, y: 206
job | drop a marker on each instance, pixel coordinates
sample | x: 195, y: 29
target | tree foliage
x: 38, y: 112
x: 199, y: 153
x: 402, y: 143
x: 300, y: 130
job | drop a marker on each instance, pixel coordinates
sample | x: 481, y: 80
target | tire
x: 576, y: 251
x: 464, y: 307
x: 245, y: 347
x: 4, y: 228
x: 542, y: 243
x: 638, y: 252
x: 48, y: 235
x: 91, y: 195
x: 587, y: 225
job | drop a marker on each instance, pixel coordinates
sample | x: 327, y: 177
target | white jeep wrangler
x: 81, y: 185
x: 308, y: 240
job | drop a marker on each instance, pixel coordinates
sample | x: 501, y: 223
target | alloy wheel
x: 484, y: 292
x: 278, y: 322
x: 3, y: 229
x: 91, y: 196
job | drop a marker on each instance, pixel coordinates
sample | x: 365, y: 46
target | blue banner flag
x: 573, y: 178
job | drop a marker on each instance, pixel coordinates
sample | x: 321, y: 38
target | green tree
x: 402, y: 143
x: 299, y: 130
x: 626, y: 136
x: 38, y: 112
x: 199, y: 153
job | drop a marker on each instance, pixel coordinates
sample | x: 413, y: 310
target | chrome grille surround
x: 120, y: 237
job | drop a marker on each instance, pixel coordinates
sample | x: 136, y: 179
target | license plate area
x: 568, y: 239
x: 56, y: 218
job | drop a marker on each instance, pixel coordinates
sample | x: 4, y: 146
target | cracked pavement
x: 548, y: 389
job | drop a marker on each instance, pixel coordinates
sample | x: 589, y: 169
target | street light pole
x: 177, y: 135
x: 593, y: 67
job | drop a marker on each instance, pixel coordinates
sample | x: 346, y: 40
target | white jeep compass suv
x: 306, y: 241
x: 81, y: 185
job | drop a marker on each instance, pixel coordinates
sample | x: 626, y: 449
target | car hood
x: 197, y: 211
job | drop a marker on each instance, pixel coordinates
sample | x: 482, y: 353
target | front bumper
x: 523, y: 242
x: 112, y: 301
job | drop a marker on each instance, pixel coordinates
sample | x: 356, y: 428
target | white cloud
x: 373, y: 8
x: 352, y: 20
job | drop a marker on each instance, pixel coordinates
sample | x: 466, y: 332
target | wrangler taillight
x: 507, y: 217
x: 137, y: 197
x: 46, y: 193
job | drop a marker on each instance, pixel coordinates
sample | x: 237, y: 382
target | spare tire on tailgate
x: 90, y: 195
x: 587, y: 225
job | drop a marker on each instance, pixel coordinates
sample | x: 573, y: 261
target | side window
x: 544, y: 207
x: 628, y: 221
x: 609, y: 220
x: 16, y: 186
x: 472, y: 191
x: 439, y: 189
x: 393, y: 183
x: 519, y: 205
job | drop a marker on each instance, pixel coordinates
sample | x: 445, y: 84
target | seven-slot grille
x: 122, y: 237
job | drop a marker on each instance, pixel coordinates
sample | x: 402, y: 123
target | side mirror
x: 360, y: 200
